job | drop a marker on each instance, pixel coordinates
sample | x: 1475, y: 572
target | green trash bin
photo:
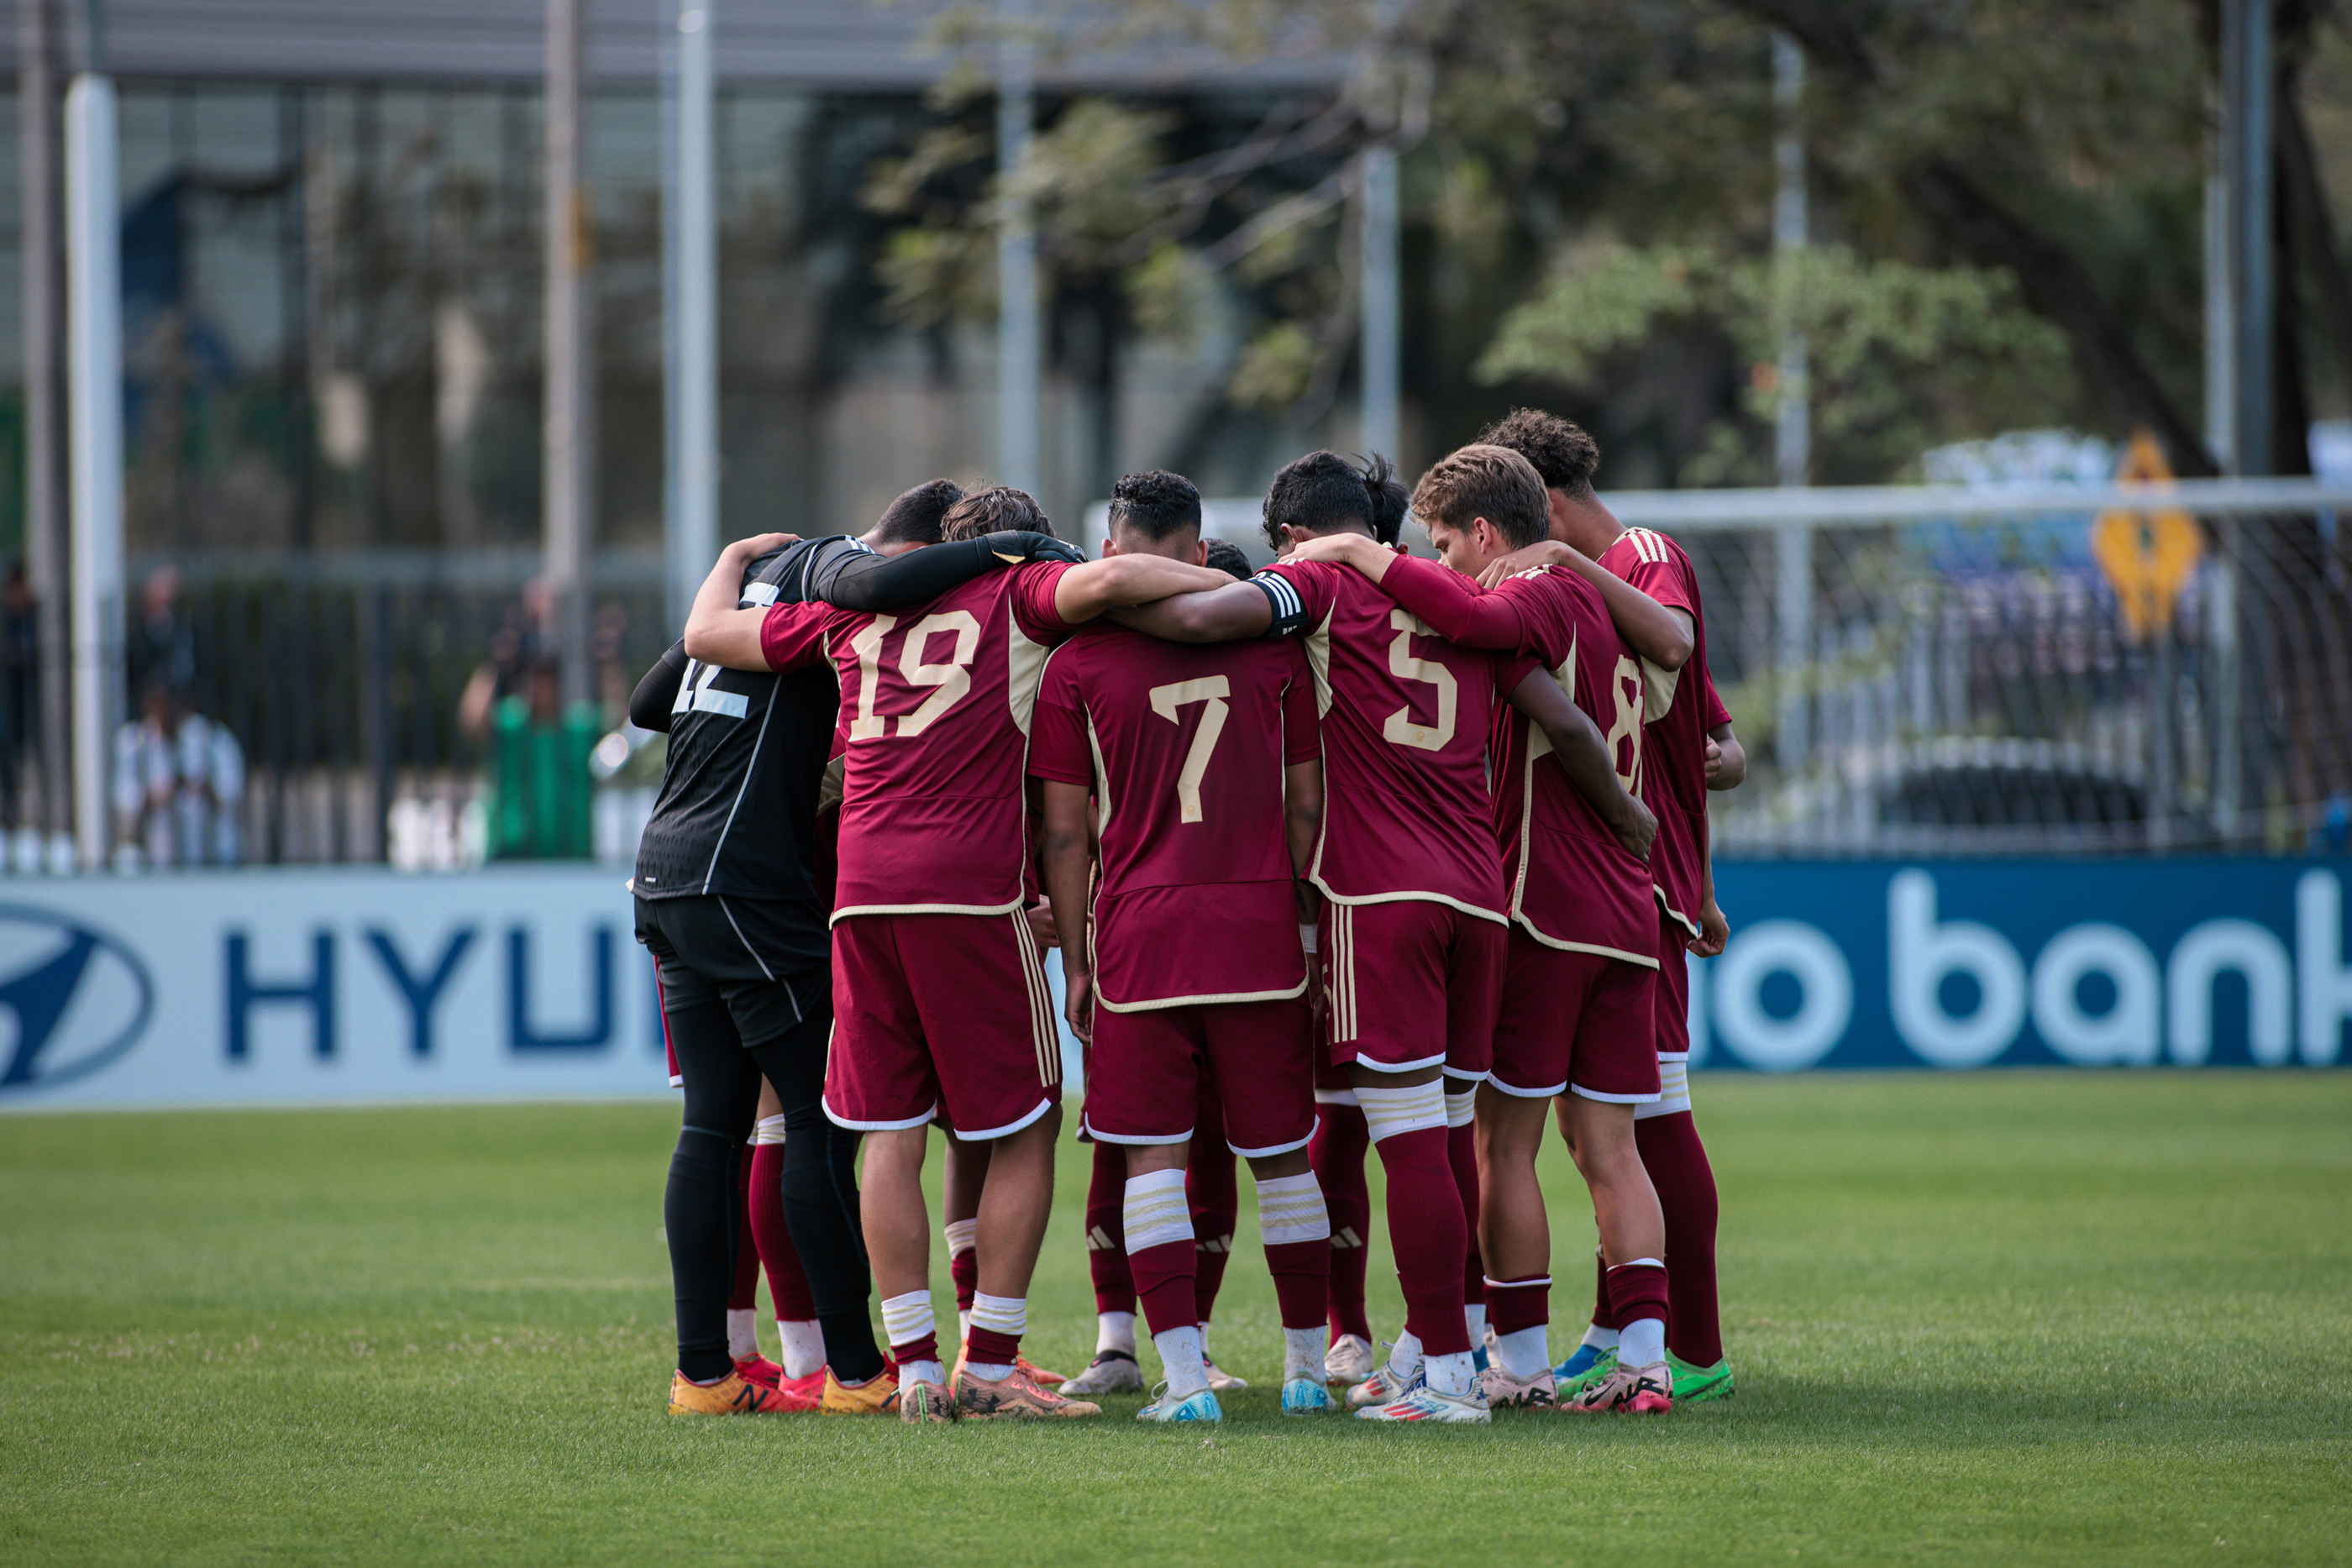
x: 542, y: 797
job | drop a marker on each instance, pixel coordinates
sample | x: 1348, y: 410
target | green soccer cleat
x: 1695, y: 1385
x: 1602, y: 1366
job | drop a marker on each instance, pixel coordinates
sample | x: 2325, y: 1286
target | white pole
x: 1793, y: 438
x: 1383, y: 368
x: 568, y: 434
x: 693, y: 368
x: 94, y: 399
x: 1019, y: 371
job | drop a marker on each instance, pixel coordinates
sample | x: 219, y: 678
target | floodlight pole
x: 1383, y: 368
x: 94, y: 398
x: 691, y: 258
x: 569, y: 419
x: 47, y: 541
x: 1792, y: 548
x: 1019, y: 349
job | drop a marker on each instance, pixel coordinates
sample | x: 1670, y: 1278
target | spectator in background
x: 19, y: 643
x: 179, y: 778
x: 161, y: 647
x: 522, y: 648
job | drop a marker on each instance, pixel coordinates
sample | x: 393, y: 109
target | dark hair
x: 1227, y: 556
x: 1390, y: 502
x: 1157, y: 504
x: 1490, y: 482
x: 1564, y: 457
x: 1316, y: 493
x: 994, y: 510
x: 914, y: 517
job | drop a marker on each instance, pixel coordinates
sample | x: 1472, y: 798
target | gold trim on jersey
x: 1646, y: 960
x: 841, y: 913
x: 1217, y: 998
x: 1405, y: 897
x: 1676, y: 916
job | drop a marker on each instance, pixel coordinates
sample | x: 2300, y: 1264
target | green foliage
x: 2018, y: 1317
x: 1895, y: 349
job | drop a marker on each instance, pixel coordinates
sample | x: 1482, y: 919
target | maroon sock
x: 1677, y: 1162
x: 746, y: 1292
x: 1638, y: 1291
x: 1515, y: 1304
x: 1604, y: 1316
x: 1302, y: 1281
x: 989, y: 1347
x: 927, y: 1348
x: 1337, y: 1156
x: 964, y: 1270
x: 1428, y: 1235
x: 1164, y: 1279
x: 1214, y: 1191
x: 1461, y: 1153
x: 1107, y: 1230
x: 787, y: 1281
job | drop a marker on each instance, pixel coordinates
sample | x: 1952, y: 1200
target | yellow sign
x: 2148, y: 556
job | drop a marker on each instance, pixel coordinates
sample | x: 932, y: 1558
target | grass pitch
x: 2096, y: 1318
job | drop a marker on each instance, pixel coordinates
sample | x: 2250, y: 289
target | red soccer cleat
x: 757, y: 1368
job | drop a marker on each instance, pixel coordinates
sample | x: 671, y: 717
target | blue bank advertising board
x: 314, y: 987
x: 2027, y: 963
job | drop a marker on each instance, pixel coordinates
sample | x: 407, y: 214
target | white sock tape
x: 1387, y: 1112
x: 1156, y: 1211
x: 964, y: 1234
x: 1005, y: 1314
x: 907, y: 1318
x: 1290, y: 1208
x: 769, y: 1131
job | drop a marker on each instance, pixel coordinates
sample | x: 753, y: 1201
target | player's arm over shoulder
x: 1086, y: 590
x: 1224, y: 612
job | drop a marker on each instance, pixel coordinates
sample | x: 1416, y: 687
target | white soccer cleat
x: 1350, y: 1360
x: 1426, y: 1403
x: 1387, y: 1384
x: 1220, y: 1380
x: 1505, y: 1392
x: 1111, y: 1372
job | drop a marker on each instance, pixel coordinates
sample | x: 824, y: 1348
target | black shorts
x: 741, y: 951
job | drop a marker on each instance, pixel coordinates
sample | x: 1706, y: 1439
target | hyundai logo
x: 72, y: 1000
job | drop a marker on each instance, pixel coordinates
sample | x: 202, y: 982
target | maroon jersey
x: 1184, y: 747
x: 1405, y: 802
x: 1674, y: 780
x: 1572, y: 883
x: 935, y: 709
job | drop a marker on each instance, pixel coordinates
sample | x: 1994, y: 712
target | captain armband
x: 1289, y: 617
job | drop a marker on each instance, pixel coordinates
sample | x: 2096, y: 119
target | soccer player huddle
x: 1360, y: 851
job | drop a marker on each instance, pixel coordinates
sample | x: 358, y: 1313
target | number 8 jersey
x: 1406, y: 805
x: 1184, y: 747
x: 936, y: 705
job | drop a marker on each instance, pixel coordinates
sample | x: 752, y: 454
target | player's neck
x: 1583, y: 523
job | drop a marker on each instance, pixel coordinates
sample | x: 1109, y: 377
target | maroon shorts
x: 1575, y: 1021
x: 1412, y: 983
x: 1147, y: 1072
x: 1672, y: 1013
x: 940, y: 1015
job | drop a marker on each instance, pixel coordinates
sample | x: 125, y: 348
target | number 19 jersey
x: 1406, y: 806
x: 1184, y: 747
x: 936, y: 704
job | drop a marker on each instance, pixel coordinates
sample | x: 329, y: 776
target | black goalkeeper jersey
x: 736, y: 817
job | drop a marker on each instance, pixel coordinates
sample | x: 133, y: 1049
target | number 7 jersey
x: 1184, y: 747
x: 936, y: 704
x: 1406, y: 804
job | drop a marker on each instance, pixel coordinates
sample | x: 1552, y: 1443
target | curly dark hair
x: 913, y: 518
x: 1227, y: 556
x: 994, y: 510
x: 1564, y: 455
x: 1389, y: 501
x: 1157, y: 503
x: 1316, y: 493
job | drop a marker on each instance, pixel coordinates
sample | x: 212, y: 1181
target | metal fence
x: 2012, y: 670
x: 1922, y: 670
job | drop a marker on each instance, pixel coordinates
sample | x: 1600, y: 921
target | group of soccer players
x: 1359, y: 852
